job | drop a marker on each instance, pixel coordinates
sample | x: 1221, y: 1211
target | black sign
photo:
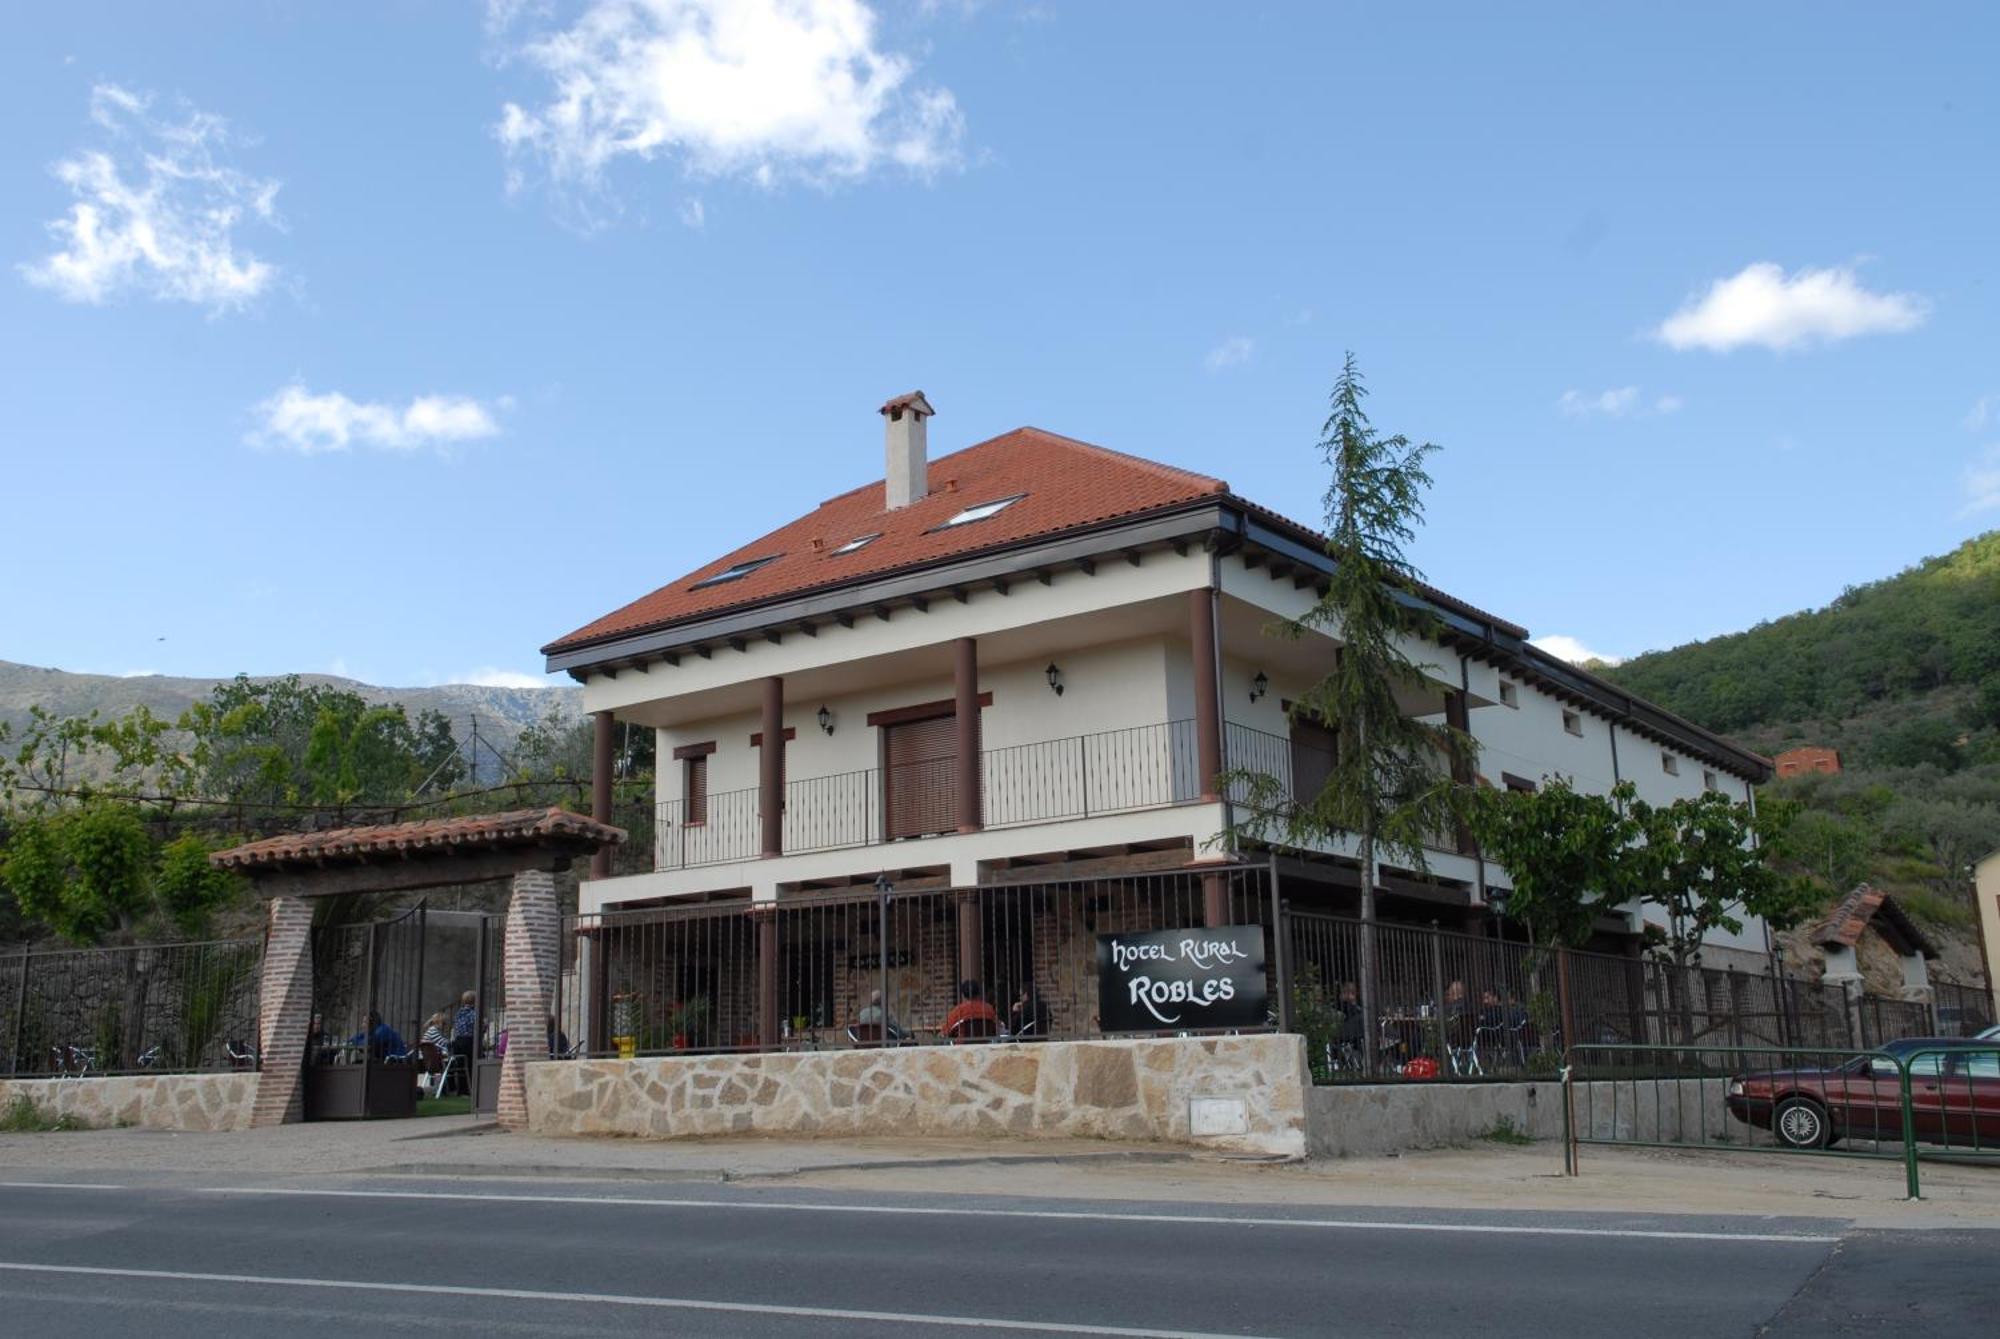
x: 1157, y: 980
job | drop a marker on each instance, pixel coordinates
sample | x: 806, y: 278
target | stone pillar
x: 1207, y: 692
x: 771, y: 768
x: 284, y: 1012
x: 600, y: 786
x: 969, y: 936
x: 965, y: 702
x: 529, y: 988
x: 770, y: 1030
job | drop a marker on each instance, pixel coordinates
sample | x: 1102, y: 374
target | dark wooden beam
x: 920, y: 603
x: 1000, y: 585
x: 673, y: 659
x: 845, y: 619
x: 1134, y: 557
x: 961, y: 594
x: 1045, y: 576
x: 1088, y: 566
x: 738, y: 644
x: 409, y: 874
x: 809, y: 628
x: 773, y: 636
x: 705, y: 652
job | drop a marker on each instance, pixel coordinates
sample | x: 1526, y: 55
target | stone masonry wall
x: 1139, y: 1090
x: 154, y: 1101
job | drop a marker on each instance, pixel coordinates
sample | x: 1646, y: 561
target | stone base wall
x: 154, y: 1101
x: 1239, y: 1094
x: 1373, y: 1119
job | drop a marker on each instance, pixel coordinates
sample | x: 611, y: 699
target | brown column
x: 969, y: 949
x: 965, y: 696
x: 600, y: 786
x: 769, y: 1032
x: 1215, y: 899
x: 771, y: 768
x: 529, y: 985
x: 1207, y: 694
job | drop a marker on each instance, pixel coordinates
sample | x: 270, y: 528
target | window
x: 1573, y: 723
x: 1518, y: 784
x: 1670, y: 764
x: 1510, y: 696
x: 694, y: 787
x: 981, y: 511
x: 858, y: 542
x: 1708, y: 780
x: 736, y: 573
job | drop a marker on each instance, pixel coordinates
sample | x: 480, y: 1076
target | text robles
x: 1195, y: 979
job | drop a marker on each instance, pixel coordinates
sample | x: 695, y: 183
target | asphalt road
x: 365, y: 1256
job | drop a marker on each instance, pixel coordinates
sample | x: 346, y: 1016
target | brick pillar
x: 965, y: 704
x: 1215, y: 899
x: 771, y: 768
x: 600, y: 786
x: 284, y: 1012
x: 770, y: 1028
x: 529, y: 962
x: 1207, y: 693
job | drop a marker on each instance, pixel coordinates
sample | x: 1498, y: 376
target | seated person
x: 873, y: 1014
x: 437, y: 1032
x: 383, y: 1041
x: 973, y: 1016
x: 558, y: 1043
x: 1028, y: 1016
x: 1491, y: 1012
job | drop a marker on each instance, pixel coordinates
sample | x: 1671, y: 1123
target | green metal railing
x: 1913, y: 1103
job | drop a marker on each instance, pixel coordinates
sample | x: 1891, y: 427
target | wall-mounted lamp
x: 1055, y: 679
x: 1259, y: 685
x: 826, y: 720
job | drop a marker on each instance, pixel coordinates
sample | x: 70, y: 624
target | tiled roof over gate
x: 430, y: 837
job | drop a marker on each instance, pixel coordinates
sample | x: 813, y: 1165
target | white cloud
x: 1619, y: 402
x: 156, y: 212
x: 137, y: 673
x: 768, y: 91
x: 1232, y: 352
x: 489, y: 677
x: 1572, y: 650
x: 1612, y: 403
x: 297, y: 420
x: 1762, y: 305
x: 1982, y: 481
x: 1984, y: 411
x: 693, y: 214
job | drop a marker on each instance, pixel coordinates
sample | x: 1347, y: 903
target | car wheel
x: 1800, y: 1122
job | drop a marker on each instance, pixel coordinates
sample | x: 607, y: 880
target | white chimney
x: 907, y: 476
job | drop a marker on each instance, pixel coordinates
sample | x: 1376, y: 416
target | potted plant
x: 684, y: 1020
x: 625, y: 1023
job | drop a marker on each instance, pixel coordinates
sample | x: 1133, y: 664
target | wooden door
x: 920, y: 776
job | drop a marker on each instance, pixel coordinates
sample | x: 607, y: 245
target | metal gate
x: 367, y: 982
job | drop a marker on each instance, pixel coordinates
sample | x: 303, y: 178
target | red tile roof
x: 435, y: 836
x: 1851, y: 917
x: 1064, y: 485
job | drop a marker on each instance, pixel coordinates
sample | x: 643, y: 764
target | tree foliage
x: 93, y: 874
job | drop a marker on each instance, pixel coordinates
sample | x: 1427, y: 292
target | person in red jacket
x: 972, y: 1017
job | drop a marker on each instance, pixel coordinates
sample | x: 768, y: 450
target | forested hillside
x: 1903, y: 677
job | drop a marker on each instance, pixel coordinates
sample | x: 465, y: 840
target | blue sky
x: 402, y: 339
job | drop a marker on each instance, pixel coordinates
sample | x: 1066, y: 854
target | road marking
x: 1067, y: 1215
x: 616, y: 1299
x: 54, y: 1185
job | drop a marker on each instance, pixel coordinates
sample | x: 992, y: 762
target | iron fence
x: 142, y: 1009
x: 1911, y: 1102
x: 1962, y: 1011
x: 873, y: 967
x: 1449, y: 1005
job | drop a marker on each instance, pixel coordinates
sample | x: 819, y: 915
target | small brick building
x: 1808, y: 758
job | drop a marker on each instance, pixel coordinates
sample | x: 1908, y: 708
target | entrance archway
x: 530, y: 846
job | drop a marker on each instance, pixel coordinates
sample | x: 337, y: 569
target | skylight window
x: 981, y: 511
x: 858, y: 542
x: 735, y: 573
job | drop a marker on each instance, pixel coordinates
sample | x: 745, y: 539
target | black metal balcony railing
x: 1115, y: 771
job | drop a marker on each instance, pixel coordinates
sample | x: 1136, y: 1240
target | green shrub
x: 22, y: 1116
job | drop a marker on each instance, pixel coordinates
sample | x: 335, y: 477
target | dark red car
x: 1954, y: 1096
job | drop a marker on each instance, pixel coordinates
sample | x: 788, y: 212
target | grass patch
x: 444, y: 1106
x: 24, y: 1117
x: 1504, y: 1131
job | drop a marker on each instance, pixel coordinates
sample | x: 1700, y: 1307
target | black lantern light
x: 825, y: 720
x: 1259, y: 685
x: 1055, y: 679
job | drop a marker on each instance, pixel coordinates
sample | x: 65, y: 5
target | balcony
x: 1083, y: 776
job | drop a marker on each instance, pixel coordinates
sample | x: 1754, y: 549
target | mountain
x: 500, y: 713
x: 1897, y: 673
x: 1902, y: 676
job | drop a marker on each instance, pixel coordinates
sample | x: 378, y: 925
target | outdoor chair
x: 1461, y: 1046
x: 241, y: 1054
x: 1492, y: 1039
x: 973, y: 1029
x: 434, y: 1068
x: 865, y: 1034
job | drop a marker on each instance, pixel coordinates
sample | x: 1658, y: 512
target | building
x: 1034, y: 657
x: 1986, y: 897
x: 1808, y: 758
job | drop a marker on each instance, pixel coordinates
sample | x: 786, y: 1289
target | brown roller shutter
x: 697, y: 789
x: 920, y: 776
x: 1313, y: 752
